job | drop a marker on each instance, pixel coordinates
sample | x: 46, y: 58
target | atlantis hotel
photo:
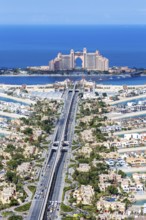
x: 90, y: 61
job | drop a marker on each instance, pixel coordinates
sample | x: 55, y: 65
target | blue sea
x: 22, y: 46
x: 42, y: 80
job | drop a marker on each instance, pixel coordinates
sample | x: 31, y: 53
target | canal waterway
x: 11, y: 100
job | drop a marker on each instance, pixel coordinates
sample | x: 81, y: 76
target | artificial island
x: 73, y: 150
x: 80, y: 62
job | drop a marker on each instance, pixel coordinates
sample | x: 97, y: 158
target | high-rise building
x: 90, y: 61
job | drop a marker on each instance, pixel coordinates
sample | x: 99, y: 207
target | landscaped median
x: 15, y: 217
x: 65, y: 208
x: 32, y: 189
x: 23, y: 208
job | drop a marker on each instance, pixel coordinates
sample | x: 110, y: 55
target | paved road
x: 29, y: 193
x: 51, y: 167
x: 53, y: 200
x: 55, y: 196
x: 38, y: 200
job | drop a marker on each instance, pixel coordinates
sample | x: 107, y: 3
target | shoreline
x: 63, y: 75
x: 127, y: 115
x: 11, y: 115
x: 4, y: 132
x: 128, y: 99
x: 133, y: 169
x: 27, y: 101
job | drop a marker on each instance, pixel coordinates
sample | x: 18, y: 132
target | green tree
x: 11, y: 177
x: 65, y: 208
x: 123, y: 175
x: 104, y: 94
x: 12, y: 164
x: 14, y: 202
x: 112, y: 190
x: 10, y: 148
x: 28, y: 131
x: 25, y: 121
x: 127, y: 202
x: 1, y: 165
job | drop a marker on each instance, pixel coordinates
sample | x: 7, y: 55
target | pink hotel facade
x: 90, y: 61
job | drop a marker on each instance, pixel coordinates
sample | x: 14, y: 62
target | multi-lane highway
x: 55, y: 196
x: 47, y: 198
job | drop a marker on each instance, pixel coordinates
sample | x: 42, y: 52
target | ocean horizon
x: 34, y: 45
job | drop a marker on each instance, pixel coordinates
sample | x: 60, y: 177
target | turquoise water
x: 137, y: 116
x: 11, y: 100
x: 129, y: 174
x: 2, y: 135
x: 9, y: 118
x: 132, y: 100
x: 140, y: 202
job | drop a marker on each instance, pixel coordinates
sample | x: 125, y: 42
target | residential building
x: 7, y: 193
x: 128, y: 186
x: 83, y: 167
x: 84, y: 194
x: 24, y: 168
x: 86, y: 151
x: 136, y: 161
x: 139, y: 176
x: 106, y: 205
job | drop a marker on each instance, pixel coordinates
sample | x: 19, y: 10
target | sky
x: 67, y: 12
